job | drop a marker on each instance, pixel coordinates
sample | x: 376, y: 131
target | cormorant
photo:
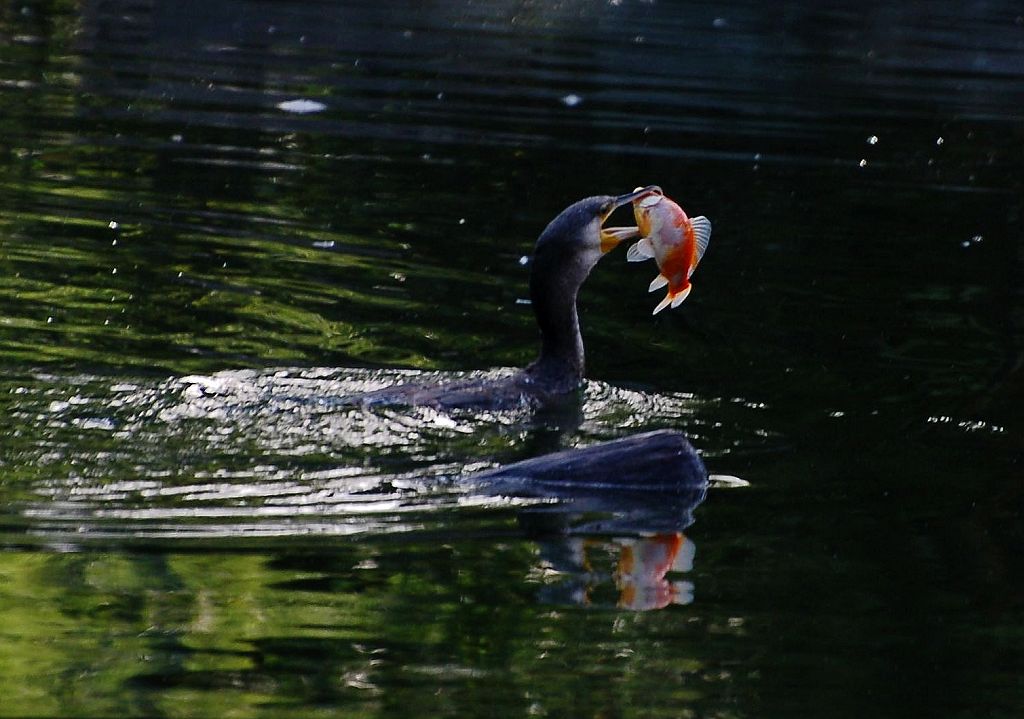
x: 565, y: 253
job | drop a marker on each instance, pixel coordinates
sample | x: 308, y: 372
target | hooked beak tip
x: 629, y: 197
x: 637, y: 194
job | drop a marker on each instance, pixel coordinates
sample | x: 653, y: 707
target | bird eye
x: 606, y: 208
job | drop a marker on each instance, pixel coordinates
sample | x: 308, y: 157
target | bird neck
x: 553, y: 293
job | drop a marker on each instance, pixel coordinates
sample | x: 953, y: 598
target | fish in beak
x: 676, y: 241
x: 612, y: 236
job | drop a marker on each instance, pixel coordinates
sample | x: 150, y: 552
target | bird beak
x: 612, y: 236
x: 635, y: 195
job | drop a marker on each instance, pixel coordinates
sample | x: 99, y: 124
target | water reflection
x: 519, y: 74
x: 630, y: 513
x: 636, y: 580
x: 237, y: 456
x: 279, y: 452
x: 243, y: 455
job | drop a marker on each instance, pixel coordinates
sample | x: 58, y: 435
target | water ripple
x: 272, y: 452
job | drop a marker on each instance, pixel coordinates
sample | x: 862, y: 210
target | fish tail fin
x: 678, y: 299
x: 663, y: 304
x: 657, y: 283
x: 674, y: 298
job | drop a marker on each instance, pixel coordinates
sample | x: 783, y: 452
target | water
x: 217, y: 218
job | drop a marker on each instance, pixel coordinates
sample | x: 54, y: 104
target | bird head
x: 566, y: 251
x: 579, y: 231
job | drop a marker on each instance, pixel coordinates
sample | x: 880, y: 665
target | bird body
x: 566, y: 251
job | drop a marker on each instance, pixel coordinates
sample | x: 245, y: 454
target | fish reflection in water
x: 623, y: 559
x: 637, y: 579
x: 629, y: 499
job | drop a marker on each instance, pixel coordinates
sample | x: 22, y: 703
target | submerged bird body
x: 675, y: 241
x: 565, y: 253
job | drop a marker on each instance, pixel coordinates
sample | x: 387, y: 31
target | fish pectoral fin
x: 642, y: 250
x: 657, y: 283
x: 702, y: 236
x: 678, y: 299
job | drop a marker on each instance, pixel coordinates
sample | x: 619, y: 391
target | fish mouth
x: 612, y: 236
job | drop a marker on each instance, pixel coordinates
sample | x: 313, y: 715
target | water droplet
x: 177, y: 138
x: 113, y: 224
x: 873, y: 140
x: 324, y: 244
x: 863, y: 163
x: 719, y: 22
x: 301, y: 106
x: 572, y: 100
x: 977, y: 238
x: 180, y: 275
x: 462, y: 220
x: 49, y: 320
x: 114, y: 243
x: 113, y: 271
x: 440, y: 96
x: 940, y: 140
x: 524, y: 260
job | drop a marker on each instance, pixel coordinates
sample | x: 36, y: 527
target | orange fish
x: 674, y: 240
x: 643, y: 564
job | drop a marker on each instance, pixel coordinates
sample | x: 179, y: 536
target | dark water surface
x: 194, y: 267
